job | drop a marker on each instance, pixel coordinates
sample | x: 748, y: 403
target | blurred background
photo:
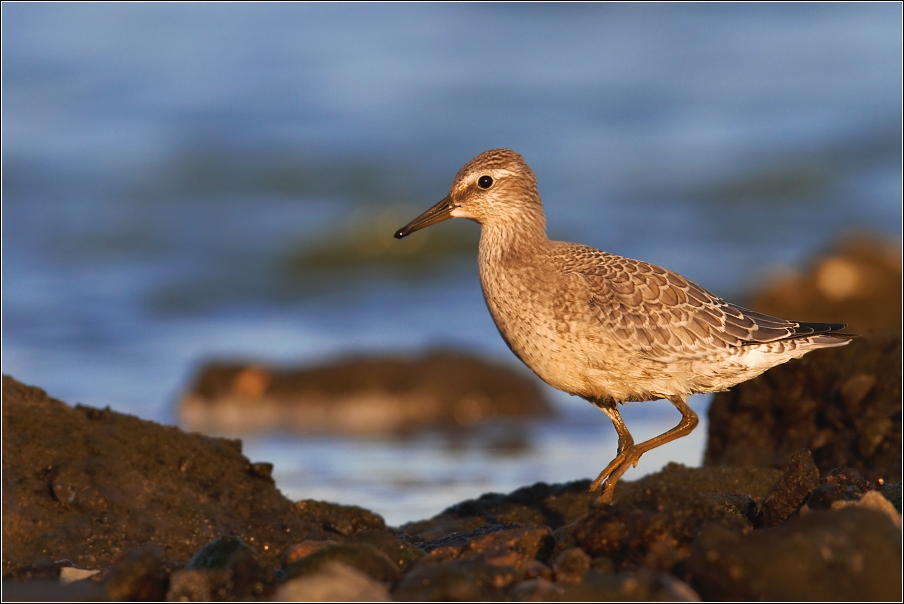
x: 192, y: 182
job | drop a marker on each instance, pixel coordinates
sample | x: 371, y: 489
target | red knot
x: 606, y: 328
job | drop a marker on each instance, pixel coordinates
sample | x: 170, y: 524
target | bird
x: 603, y: 327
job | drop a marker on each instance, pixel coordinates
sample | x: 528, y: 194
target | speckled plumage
x: 603, y: 327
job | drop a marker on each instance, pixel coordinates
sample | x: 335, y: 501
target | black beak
x: 438, y: 213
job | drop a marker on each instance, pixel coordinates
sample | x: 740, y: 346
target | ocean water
x: 202, y: 181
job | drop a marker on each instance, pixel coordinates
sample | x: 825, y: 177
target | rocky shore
x: 102, y: 505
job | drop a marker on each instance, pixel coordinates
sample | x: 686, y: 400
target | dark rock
x: 401, y: 552
x: 516, y: 544
x: 218, y: 553
x: 847, y: 555
x: 342, y: 520
x: 741, y: 505
x: 755, y: 482
x: 228, y: 569
x: 139, y: 575
x: 362, y: 556
x: 333, y: 582
x: 791, y: 491
x: 263, y: 470
x: 535, y: 590
x: 297, y: 551
x: 840, y: 484
x: 844, y: 404
x: 892, y: 492
x: 641, y: 586
x: 436, y: 583
x: 363, y: 395
x: 848, y: 477
x: 130, y: 482
x: 493, y: 560
x: 539, y: 505
x: 189, y: 586
x: 652, y: 525
x: 571, y: 566
x: 462, y: 539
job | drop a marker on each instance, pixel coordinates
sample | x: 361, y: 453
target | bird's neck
x: 501, y: 240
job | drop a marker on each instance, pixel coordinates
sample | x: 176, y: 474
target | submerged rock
x: 359, y: 396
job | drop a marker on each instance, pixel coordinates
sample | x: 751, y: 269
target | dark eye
x: 485, y: 182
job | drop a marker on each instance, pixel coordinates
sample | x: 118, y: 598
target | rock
x: 539, y: 505
x: 359, y: 396
x: 139, y: 575
x: 333, y: 582
x: 791, y: 491
x: 843, y: 404
x: 651, y: 527
x: 641, y: 586
x: 219, y: 553
x: 892, y: 492
x: 338, y: 519
x: 89, y: 485
x: 71, y: 574
x: 848, y: 555
x: 872, y: 500
x: 189, y: 586
x: 228, y: 568
x: 297, y: 551
x: 402, y: 553
x: 535, y: 590
x: 437, y: 583
x: 362, y: 556
x: 571, y: 566
x: 493, y: 558
x: 858, y: 282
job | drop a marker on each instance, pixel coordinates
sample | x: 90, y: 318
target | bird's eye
x: 485, y: 182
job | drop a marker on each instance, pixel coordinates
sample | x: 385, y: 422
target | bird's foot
x: 626, y: 458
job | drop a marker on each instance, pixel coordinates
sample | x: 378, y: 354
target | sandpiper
x: 606, y: 328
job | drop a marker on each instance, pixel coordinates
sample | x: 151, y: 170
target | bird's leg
x: 624, y: 437
x: 630, y: 455
x: 625, y: 443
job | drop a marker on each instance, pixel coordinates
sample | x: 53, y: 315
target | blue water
x: 162, y: 162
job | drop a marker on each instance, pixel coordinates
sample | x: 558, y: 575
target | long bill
x: 438, y: 213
